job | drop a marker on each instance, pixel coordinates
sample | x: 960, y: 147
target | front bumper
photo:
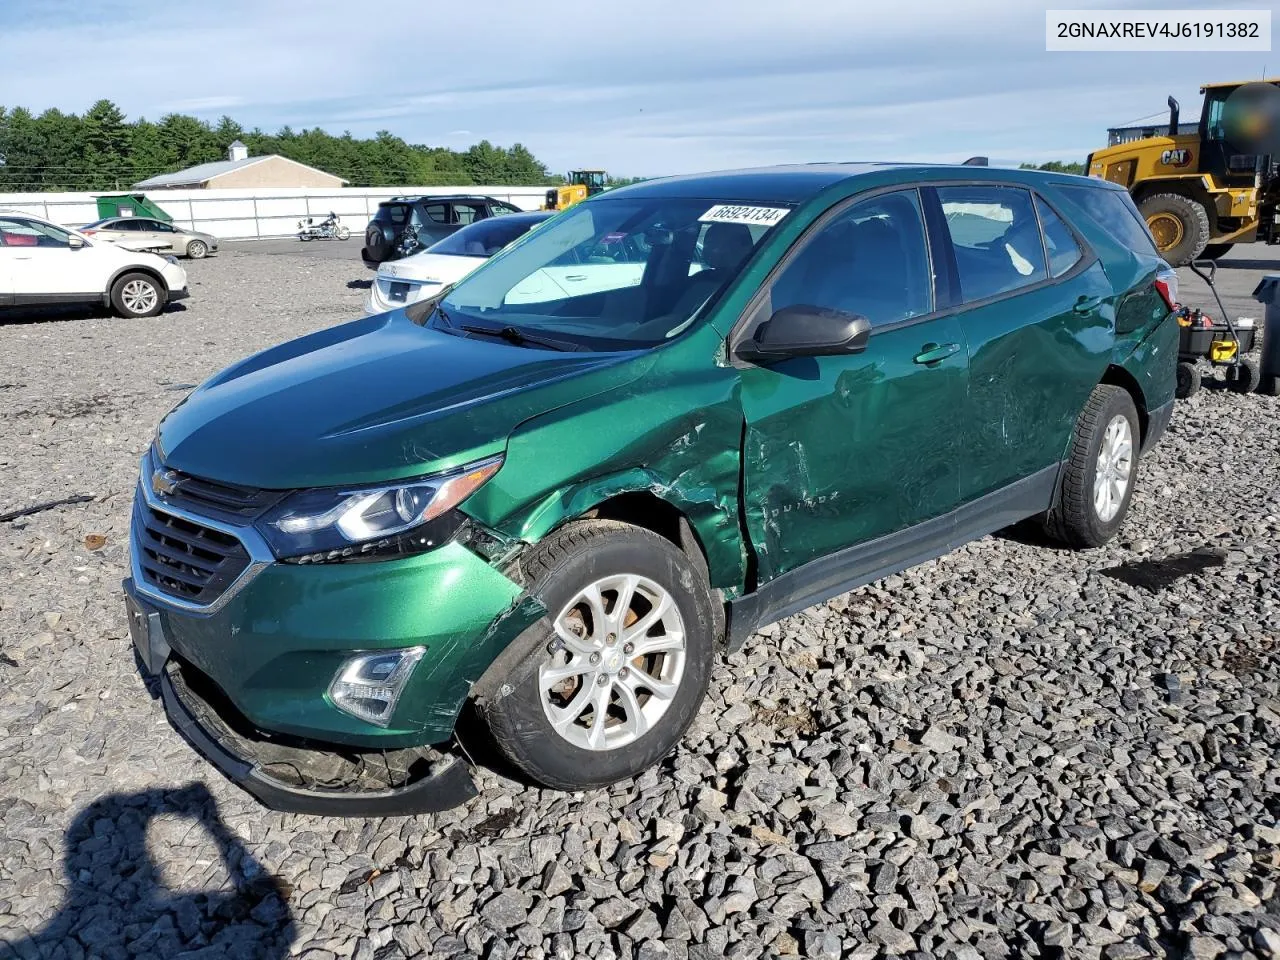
x: 267, y: 648
x: 281, y: 774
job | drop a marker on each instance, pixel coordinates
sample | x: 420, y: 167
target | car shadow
x: 119, y: 905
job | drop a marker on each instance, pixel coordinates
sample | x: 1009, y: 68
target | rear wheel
x: 137, y: 295
x: 1245, y: 376
x: 1179, y: 225
x: 1188, y: 380
x: 1099, y: 473
x: 197, y: 249
x: 1215, y: 250
x: 611, y: 688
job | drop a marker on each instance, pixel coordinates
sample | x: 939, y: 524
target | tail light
x: 1166, y: 284
x: 88, y: 233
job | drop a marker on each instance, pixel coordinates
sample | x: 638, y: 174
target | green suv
x: 554, y: 494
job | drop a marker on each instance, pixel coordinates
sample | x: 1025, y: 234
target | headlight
x: 315, y: 526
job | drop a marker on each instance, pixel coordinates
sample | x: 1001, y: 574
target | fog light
x: 369, y: 686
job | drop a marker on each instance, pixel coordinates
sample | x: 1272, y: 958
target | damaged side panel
x: 675, y: 435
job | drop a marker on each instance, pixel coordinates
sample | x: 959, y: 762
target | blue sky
x: 639, y: 88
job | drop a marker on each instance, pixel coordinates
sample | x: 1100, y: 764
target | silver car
x: 153, y: 236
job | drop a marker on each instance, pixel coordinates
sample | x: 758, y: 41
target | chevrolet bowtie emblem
x: 163, y: 482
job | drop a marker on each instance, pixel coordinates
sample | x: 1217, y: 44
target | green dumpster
x: 129, y: 205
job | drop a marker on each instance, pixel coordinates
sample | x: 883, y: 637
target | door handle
x: 1087, y: 304
x: 932, y: 354
x: 576, y: 276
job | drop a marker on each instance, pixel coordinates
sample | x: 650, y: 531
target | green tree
x: 102, y: 150
x: 1056, y: 166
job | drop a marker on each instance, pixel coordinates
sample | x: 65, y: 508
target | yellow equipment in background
x: 581, y: 184
x: 1199, y: 194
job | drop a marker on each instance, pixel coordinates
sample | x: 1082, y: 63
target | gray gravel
x: 1012, y: 751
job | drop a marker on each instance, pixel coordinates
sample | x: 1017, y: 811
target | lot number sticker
x: 735, y: 213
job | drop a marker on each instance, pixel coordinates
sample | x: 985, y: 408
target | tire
x: 1270, y: 386
x: 197, y: 249
x: 130, y: 299
x: 1215, y: 250
x: 1179, y: 224
x: 561, y: 570
x: 1245, y: 376
x: 304, y: 237
x: 343, y: 233
x: 1188, y: 380
x: 1076, y: 519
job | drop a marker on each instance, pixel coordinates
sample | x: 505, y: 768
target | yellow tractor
x: 580, y: 185
x: 1199, y: 194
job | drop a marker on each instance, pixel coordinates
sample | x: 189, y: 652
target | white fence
x: 259, y: 213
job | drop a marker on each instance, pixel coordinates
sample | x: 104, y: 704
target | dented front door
x: 839, y: 450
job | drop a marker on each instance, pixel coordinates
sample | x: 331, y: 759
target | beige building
x: 240, y: 170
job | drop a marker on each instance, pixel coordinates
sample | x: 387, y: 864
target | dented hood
x: 377, y: 399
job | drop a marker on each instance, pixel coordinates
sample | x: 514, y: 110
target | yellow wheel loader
x: 581, y: 184
x: 1199, y: 193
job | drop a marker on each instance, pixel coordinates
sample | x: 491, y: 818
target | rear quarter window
x: 1116, y: 214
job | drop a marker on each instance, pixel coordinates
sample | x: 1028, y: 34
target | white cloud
x: 671, y: 86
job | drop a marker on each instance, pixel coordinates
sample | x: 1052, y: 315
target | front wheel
x: 1098, y: 475
x: 137, y: 295
x: 611, y: 688
x: 343, y: 233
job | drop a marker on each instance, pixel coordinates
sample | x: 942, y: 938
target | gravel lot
x: 1011, y: 751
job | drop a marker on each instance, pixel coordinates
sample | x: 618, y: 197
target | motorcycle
x: 330, y: 228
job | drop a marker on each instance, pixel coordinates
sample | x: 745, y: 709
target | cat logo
x: 1175, y: 158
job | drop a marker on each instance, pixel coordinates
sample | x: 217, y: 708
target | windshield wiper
x: 518, y: 337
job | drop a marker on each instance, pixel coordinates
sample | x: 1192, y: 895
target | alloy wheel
x: 139, y: 296
x: 615, y: 663
x: 1114, y: 468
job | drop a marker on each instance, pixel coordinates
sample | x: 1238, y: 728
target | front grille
x: 211, y: 496
x: 185, y: 559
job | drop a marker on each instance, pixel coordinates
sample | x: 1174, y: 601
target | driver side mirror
x: 804, y: 330
x: 74, y: 242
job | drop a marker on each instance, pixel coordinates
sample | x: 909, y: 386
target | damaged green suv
x: 676, y: 412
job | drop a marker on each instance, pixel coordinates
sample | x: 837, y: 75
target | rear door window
x: 435, y: 213
x: 397, y: 213
x: 1059, y: 243
x: 1115, y: 213
x: 465, y: 213
x: 996, y: 238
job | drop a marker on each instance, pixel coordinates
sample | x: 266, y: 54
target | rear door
x: 1039, y: 323
x: 434, y: 222
x: 845, y: 449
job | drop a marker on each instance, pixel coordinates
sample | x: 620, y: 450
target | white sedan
x: 401, y: 282
x: 42, y: 263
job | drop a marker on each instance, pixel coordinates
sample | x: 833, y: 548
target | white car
x: 401, y: 282
x: 42, y: 263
